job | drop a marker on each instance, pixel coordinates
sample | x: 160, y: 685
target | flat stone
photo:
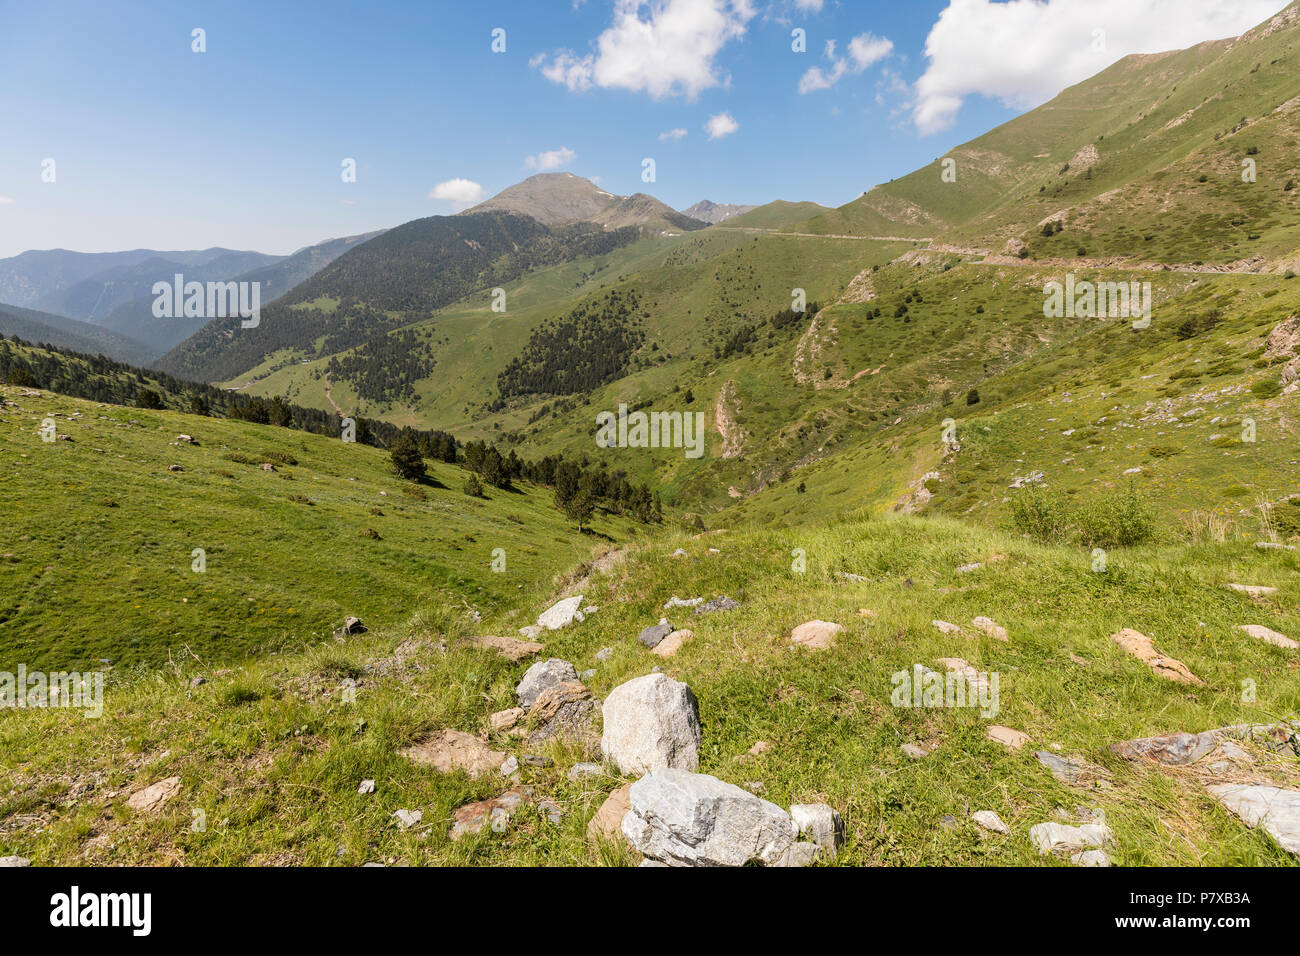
x: 914, y: 751
x: 1008, y: 737
x: 1059, y: 838
x: 1253, y: 590
x: 692, y: 819
x: 946, y: 627
x: 503, y: 720
x: 608, y: 822
x: 988, y: 820
x: 719, y: 603
x: 651, y: 722
x: 14, y: 861
x: 450, y: 750
x: 986, y: 625
x: 512, y: 649
x: 675, y: 601
x: 494, y: 813
x: 652, y: 635
x: 532, y: 631
x: 1275, y: 810
x: 1174, y: 750
x: 1140, y: 646
x: 561, y: 614
x: 152, y: 798
x: 407, y: 818
x: 1269, y: 635
x: 580, y: 771
x: 564, y: 711
x: 671, y: 644
x: 816, y: 635
x: 367, y: 786
x: 1073, y: 771
x: 541, y: 676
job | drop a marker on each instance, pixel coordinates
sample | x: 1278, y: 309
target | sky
x: 117, y: 132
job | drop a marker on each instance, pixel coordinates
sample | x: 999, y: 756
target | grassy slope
x: 96, y: 554
x: 274, y: 757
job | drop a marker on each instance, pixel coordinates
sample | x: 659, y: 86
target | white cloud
x: 809, y: 6
x: 1024, y: 52
x: 864, y: 50
x: 720, y: 125
x: 461, y: 193
x: 6, y: 201
x: 670, y: 52
x: 551, y: 159
x: 675, y: 135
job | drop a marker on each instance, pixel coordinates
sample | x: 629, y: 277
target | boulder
x: 449, y: 750
x: 561, y: 614
x: 651, y: 722
x: 1277, y: 811
x: 800, y: 854
x: 1062, y: 839
x: 692, y: 819
x: 543, y: 675
x: 816, y: 635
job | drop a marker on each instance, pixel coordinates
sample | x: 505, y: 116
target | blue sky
x: 241, y: 146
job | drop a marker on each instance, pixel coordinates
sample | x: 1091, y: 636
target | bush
x: 408, y: 463
x: 1040, y: 514
x: 1116, y: 520
x: 473, y: 487
x: 1267, y: 388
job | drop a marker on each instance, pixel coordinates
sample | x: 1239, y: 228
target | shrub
x: 473, y: 487
x: 1040, y: 514
x: 1266, y: 388
x: 1165, y: 451
x: 1116, y: 520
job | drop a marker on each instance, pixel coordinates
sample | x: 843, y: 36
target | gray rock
x: 561, y: 614
x: 581, y: 770
x: 820, y: 824
x: 8, y: 861
x: 675, y: 601
x: 532, y: 631
x: 407, y: 818
x: 692, y: 819
x: 1059, y: 838
x: 988, y: 820
x: 651, y: 722
x: 604, y: 654
x: 587, y: 675
x: 801, y: 854
x: 542, y: 676
x: 1276, y: 810
x: 509, y: 765
x: 536, y: 760
x: 1066, y: 771
x: 1175, y: 750
x: 652, y: 635
x: 719, y: 603
x: 1091, y: 858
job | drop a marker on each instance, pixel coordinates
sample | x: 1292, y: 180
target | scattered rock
x: 1253, y: 590
x: 1275, y: 546
x: 608, y: 821
x: 1174, y: 750
x: 543, y: 675
x: 915, y: 751
x: 691, y: 819
x: 655, y: 633
x: 820, y: 824
x: 944, y: 627
x: 561, y: 614
x: 351, y: 625
x: 1066, y: 840
x: 496, y: 813
x: 1141, y: 647
x: 536, y: 760
x: 512, y: 649
x: 604, y: 654
x: 651, y: 722
x: 152, y: 798
x: 987, y: 625
x: 1073, y: 771
x: 1274, y: 809
x: 580, y: 771
x: 816, y: 635
x: 969, y: 568
x: 1008, y: 737
x: 680, y: 553
x: 671, y: 644
x: 800, y: 854
x: 449, y: 750
x: 719, y: 603
x: 564, y: 711
x: 988, y: 820
x: 675, y: 601
x: 407, y: 818
x: 509, y: 766
x: 14, y: 861
x: 1269, y: 635
x: 503, y: 720
x: 367, y: 786
x: 532, y: 631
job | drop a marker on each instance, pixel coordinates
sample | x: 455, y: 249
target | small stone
x: 494, y: 813
x: 675, y: 601
x: 1276, y: 810
x: 450, y: 750
x: 969, y: 568
x: 407, y: 818
x: 14, y: 861
x: 1008, y: 737
x: 579, y: 771
x: 367, y: 786
x: 542, y: 676
x: 536, y: 760
x: 1091, y: 858
x: 1174, y: 750
x: 761, y: 747
x: 510, y: 648
x: 671, y: 644
x: 503, y: 720
x: 532, y: 631
x: 1269, y: 635
x: 508, y: 766
x: 816, y: 635
x: 561, y: 614
x: 820, y: 824
x: 1140, y: 646
x: 914, y: 751
x: 719, y: 603
x: 1059, y: 838
x: 800, y: 854
x: 946, y: 627
x: 604, y: 654
x: 552, y: 811
x: 1253, y: 590
x: 152, y: 798
x: 655, y: 633
x: 986, y: 625
x: 990, y: 821
x: 587, y: 675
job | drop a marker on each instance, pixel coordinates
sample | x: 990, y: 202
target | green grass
x: 273, y: 754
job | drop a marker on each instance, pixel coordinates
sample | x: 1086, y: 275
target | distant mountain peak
x: 558, y: 199
x: 706, y: 210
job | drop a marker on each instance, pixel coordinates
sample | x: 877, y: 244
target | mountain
x: 714, y: 213
x: 36, y: 278
x: 288, y: 273
x: 33, y: 326
x: 391, y: 280
x: 556, y: 199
